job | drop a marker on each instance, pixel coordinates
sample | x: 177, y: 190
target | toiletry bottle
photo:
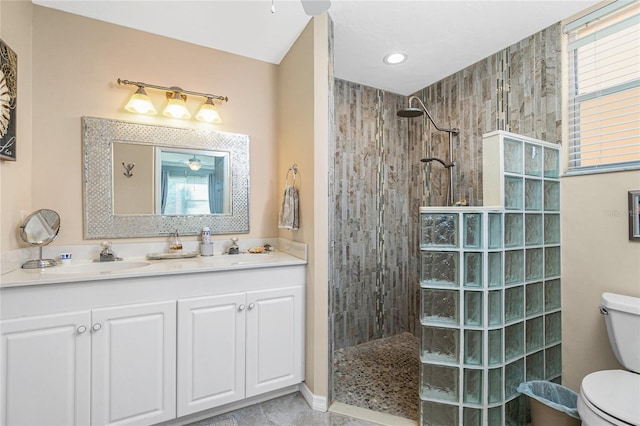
x: 206, y: 246
x: 206, y: 235
x: 175, y: 245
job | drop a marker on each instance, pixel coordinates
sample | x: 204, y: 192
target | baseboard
x: 317, y: 403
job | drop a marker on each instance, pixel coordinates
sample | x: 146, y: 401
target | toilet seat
x: 592, y: 416
x: 614, y: 393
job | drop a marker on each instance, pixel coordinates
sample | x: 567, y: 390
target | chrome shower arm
x: 453, y: 131
x: 430, y: 159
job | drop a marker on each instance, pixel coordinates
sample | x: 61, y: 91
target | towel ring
x: 293, y: 169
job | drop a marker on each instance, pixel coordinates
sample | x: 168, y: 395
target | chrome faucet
x: 107, y: 255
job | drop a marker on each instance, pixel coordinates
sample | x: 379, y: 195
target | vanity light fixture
x: 195, y: 164
x: 140, y: 102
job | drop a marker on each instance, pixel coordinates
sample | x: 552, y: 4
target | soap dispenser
x: 175, y: 245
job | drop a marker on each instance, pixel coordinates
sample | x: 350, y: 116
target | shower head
x: 410, y: 112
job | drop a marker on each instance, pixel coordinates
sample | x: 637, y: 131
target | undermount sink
x: 97, y: 267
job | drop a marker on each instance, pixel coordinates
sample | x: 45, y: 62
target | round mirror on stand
x: 39, y: 229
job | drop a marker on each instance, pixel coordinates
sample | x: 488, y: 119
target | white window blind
x: 604, y: 89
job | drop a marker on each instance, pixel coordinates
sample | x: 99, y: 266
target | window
x: 604, y: 89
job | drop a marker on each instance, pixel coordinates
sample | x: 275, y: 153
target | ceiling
x: 439, y: 37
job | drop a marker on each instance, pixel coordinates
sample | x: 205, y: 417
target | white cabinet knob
x: 241, y: 308
x: 96, y: 327
x: 81, y: 329
x: 252, y: 305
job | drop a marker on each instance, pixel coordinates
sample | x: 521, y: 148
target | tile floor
x: 288, y: 410
x: 381, y: 375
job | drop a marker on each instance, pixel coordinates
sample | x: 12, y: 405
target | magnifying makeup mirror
x: 39, y: 229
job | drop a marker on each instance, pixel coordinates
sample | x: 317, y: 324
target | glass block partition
x: 490, y: 290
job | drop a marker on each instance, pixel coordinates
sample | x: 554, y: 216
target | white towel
x: 289, y: 213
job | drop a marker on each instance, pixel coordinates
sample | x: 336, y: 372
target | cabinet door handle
x: 96, y: 327
x: 241, y: 308
x: 81, y: 329
x: 252, y: 305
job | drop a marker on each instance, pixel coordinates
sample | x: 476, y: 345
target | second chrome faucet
x: 106, y: 254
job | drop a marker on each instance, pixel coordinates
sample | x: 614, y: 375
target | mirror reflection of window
x: 188, y: 194
x: 193, y: 182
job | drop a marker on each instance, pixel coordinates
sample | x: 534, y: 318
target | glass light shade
x: 208, y: 113
x: 194, y: 164
x: 139, y: 103
x: 177, y: 107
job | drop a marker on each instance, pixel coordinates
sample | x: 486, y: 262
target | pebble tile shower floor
x: 381, y: 375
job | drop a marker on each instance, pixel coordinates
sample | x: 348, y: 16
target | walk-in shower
x: 411, y: 112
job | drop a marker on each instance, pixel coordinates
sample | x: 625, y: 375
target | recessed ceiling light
x: 395, y: 58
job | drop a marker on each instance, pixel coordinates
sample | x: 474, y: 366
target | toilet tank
x: 622, y: 316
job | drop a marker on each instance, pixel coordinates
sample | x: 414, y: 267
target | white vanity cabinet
x: 275, y: 324
x: 149, y: 348
x: 133, y: 364
x: 211, y: 346
x: 99, y: 367
x: 239, y: 345
x: 45, y: 373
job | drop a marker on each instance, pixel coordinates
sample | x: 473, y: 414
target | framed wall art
x: 8, y: 101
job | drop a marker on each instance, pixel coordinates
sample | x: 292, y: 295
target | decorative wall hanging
x: 128, y: 167
x: 8, y: 99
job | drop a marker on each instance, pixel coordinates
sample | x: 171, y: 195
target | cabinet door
x: 211, y: 344
x: 275, y: 324
x: 133, y: 364
x: 46, y: 363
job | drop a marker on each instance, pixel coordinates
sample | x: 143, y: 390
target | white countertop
x: 72, y: 273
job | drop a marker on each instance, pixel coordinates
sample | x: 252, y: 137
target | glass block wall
x: 490, y: 290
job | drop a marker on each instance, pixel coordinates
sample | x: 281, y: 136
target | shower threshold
x: 370, y: 415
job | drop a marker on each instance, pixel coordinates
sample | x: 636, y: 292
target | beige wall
x: 302, y: 137
x: 16, y: 176
x: 597, y: 257
x: 76, y: 63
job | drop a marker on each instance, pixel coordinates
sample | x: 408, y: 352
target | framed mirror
x: 634, y: 215
x: 144, y: 180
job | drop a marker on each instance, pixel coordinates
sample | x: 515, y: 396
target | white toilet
x: 612, y: 397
